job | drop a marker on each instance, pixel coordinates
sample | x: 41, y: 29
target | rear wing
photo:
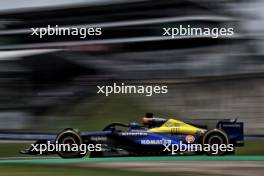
x: 234, y: 130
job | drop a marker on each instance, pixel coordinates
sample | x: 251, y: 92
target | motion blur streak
x: 51, y: 83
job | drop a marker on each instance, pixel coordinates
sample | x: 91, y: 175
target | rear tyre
x: 70, y: 140
x: 214, y: 140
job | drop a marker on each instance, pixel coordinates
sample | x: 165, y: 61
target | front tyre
x: 69, y: 142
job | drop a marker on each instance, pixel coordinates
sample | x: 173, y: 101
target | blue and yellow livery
x: 133, y: 139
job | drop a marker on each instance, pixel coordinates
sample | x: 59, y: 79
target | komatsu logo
x: 155, y: 142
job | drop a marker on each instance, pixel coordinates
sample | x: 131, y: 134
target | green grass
x: 252, y: 147
x: 96, y: 161
x: 12, y: 149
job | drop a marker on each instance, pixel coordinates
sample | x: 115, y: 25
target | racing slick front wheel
x: 69, y: 142
x: 213, y: 140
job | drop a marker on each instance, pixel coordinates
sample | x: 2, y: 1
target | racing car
x: 146, y: 139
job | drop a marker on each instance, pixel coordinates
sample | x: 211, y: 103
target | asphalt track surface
x: 190, y: 165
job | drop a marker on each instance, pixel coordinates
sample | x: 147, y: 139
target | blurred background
x: 49, y: 84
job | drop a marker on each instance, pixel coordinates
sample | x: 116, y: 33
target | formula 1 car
x: 149, y: 139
